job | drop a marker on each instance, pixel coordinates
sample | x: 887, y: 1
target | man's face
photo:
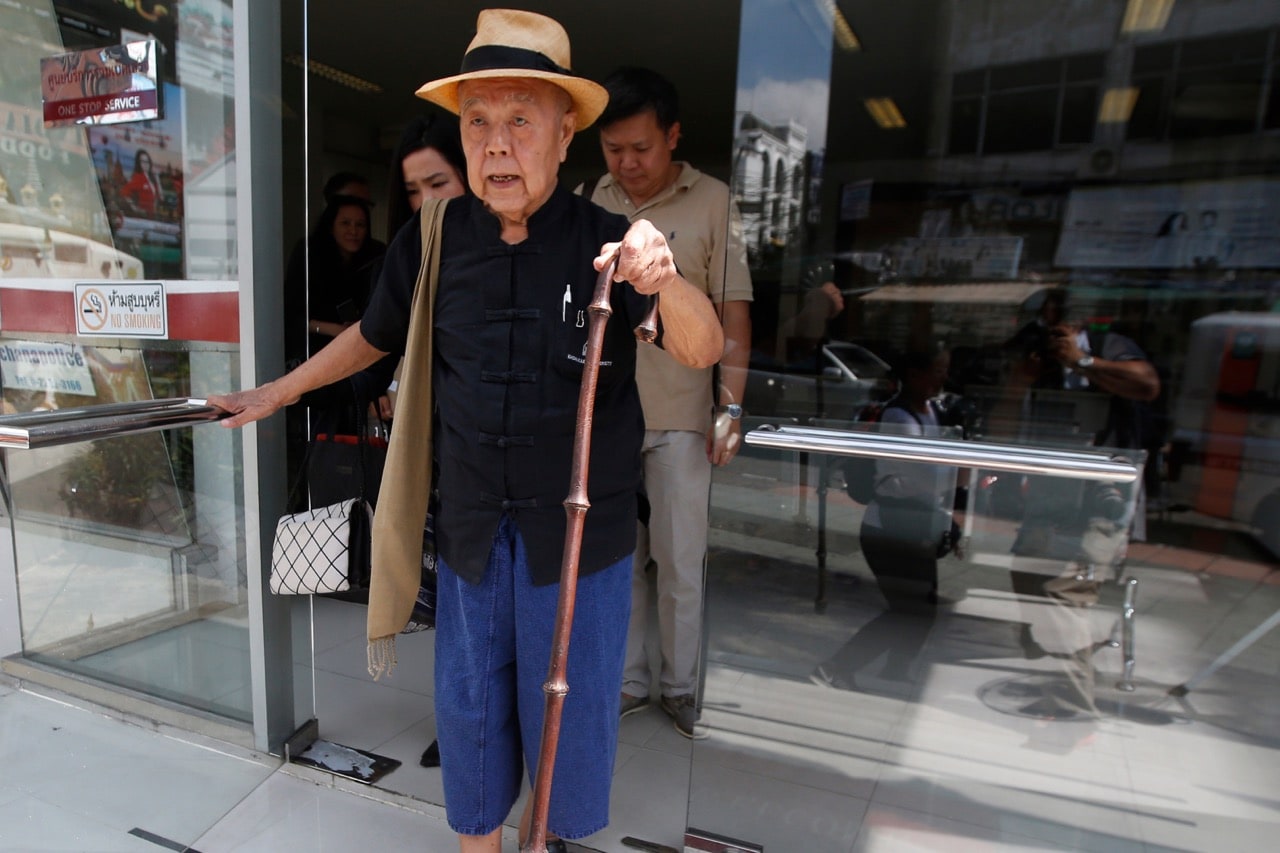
x: 638, y: 154
x: 515, y: 135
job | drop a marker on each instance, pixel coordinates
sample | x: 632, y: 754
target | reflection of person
x: 1029, y: 348
x: 907, y: 526
x: 1206, y: 248
x: 1071, y: 536
x: 1173, y: 224
x: 142, y: 190
x: 507, y: 375
x: 6, y: 197
x: 909, y: 514
x: 1169, y: 240
x: 639, y: 131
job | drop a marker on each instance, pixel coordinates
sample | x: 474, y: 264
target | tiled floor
x: 931, y: 753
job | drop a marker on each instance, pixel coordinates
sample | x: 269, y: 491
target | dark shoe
x: 823, y: 677
x: 1031, y: 650
x: 632, y: 704
x: 684, y: 711
x: 557, y: 845
x: 431, y: 758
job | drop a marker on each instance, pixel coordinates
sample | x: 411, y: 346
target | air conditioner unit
x: 1099, y: 162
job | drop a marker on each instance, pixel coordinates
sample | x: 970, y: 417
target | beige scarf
x: 406, y: 478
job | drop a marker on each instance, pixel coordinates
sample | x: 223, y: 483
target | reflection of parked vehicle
x: 836, y: 383
x: 1226, y: 445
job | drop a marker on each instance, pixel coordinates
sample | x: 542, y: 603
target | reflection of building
x: 768, y: 180
x: 1159, y: 107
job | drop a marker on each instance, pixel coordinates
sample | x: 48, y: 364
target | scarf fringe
x: 381, y: 653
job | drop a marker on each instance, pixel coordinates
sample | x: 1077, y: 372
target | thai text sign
x: 101, y: 86
x: 122, y: 310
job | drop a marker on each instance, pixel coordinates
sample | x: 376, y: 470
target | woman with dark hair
x: 142, y: 190
x: 325, y: 290
x: 428, y: 163
x: 341, y: 258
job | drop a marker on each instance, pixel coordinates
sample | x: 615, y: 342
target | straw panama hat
x: 514, y: 43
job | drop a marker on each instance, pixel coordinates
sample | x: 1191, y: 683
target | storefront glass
x: 1065, y: 215
x: 118, y: 282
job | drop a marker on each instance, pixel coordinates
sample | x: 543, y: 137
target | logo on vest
x: 582, y: 359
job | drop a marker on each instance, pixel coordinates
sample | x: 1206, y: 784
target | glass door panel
x: 119, y: 282
x: 1017, y: 205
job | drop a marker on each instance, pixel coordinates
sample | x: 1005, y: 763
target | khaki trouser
x: 677, y: 480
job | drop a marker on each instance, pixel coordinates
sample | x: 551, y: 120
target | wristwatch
x: 733, y: 410
x: 1084, y: 362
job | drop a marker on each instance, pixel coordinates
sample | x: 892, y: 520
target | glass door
x: 997, y: 259
x: 124, y: 273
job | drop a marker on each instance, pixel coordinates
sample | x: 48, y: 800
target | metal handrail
x: 32, y: 430
x: 1077, y: 465
x: 934, y: 441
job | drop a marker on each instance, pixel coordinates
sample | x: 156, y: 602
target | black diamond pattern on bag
x: 311, y: 553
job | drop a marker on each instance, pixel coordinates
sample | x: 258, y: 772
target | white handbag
x: 322, y: 550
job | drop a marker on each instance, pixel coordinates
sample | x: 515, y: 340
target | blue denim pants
x: 493, y: 648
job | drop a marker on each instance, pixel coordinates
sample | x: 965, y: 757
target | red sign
x: 107, y: 85
x: 100, y: 106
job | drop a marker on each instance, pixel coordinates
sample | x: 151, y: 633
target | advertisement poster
x: 109, y: 85
x: 1200, y: 225
x: 140, y: 172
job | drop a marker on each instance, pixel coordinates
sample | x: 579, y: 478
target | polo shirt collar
x: 684, y: 181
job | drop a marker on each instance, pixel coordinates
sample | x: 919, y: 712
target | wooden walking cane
x: 575, y: 507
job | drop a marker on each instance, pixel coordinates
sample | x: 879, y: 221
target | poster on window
x: 140, y: 173
x: 1199, y: 225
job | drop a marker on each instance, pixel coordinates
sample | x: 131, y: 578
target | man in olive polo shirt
x: 684, y: 436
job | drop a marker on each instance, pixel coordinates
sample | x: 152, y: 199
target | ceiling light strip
x: 885, y: 113
x: 1146, y: 16
x: 336, y: 75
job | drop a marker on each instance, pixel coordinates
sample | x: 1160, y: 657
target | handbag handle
x: 362, y: 440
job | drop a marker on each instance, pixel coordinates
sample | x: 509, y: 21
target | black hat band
x: 497, y: 56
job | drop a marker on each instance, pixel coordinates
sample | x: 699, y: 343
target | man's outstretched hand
x: 245, y: 407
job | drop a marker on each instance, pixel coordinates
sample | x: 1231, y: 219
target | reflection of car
x: 837, y: 382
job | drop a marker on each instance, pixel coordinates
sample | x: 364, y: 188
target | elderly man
x: 508, y: 330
